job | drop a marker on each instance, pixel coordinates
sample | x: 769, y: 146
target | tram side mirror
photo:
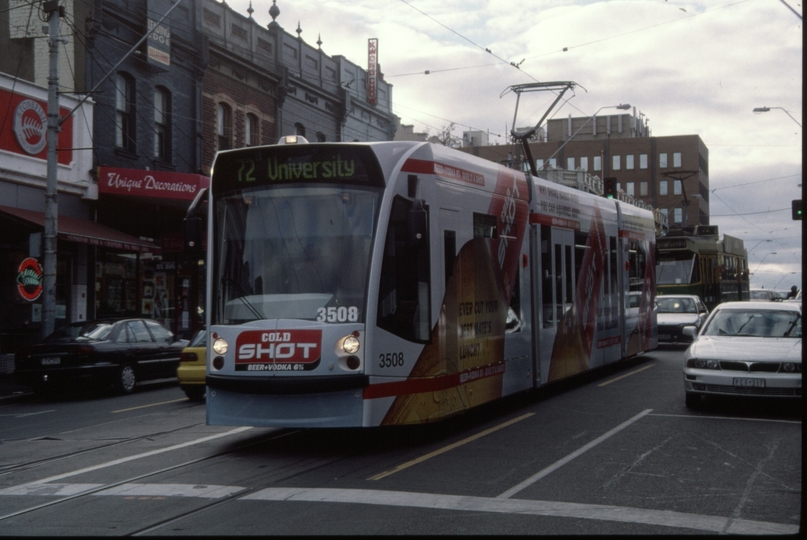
x: 418, y: 224
x: 193, y: 235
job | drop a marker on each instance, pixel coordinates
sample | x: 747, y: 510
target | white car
x: 676, y: 311
x: 745, y: 348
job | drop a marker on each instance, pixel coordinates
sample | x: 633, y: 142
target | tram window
x: 485, y: 226
x: 404, y: 289
x: 612, y: 266
x: 546, y: 282
x: 449, y: 252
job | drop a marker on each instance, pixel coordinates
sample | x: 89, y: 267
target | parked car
x: 193, y: 367
x: 105, y: 351
x: 676, y: 311
x: 762, y: 295
x: 745, y: 348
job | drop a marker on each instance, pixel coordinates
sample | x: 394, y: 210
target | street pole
x: 54, y: 11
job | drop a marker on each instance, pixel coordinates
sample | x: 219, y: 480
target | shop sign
x: 28, y: 135
x: 29, y: 279
x: 154, y: 184
x: 372, y: 71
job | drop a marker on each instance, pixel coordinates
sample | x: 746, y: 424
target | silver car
x: 677, y: 311
x: 745, y: 348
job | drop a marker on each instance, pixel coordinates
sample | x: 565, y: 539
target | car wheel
x: 693, y: 401
x: 196, y: 393
x: 126, y: 379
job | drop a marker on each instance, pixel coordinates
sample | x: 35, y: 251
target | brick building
x: 670, y: 173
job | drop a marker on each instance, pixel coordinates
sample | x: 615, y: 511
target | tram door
x: 557, y: 288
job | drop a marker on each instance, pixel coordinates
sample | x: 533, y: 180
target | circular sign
x: 30, y: 126
x: 29, y: 279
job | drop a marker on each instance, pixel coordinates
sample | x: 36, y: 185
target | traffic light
x: 797, y: 209
x: 609, y: 187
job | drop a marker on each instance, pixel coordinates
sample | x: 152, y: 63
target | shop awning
x: 84, y: 231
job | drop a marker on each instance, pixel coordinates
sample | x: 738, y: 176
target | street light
x: 621, y: 107
x: 766, y: 109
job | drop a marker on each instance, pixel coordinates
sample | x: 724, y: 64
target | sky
x: 697, y: 67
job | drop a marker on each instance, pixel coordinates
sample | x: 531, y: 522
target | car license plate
x: 51, y: 361
x: 664, y: 336
x: 759, y: 383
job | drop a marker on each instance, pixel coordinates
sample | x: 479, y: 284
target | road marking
x: 55, y: 490
x: 172, y: 490
x: 634, y: 372
x: 704, y: 417
x: 447, y: 448
x: 140, y: 456
x: 28, y: 414
x: 150, y: 405
x: 560, y: 463
x: 662, y: 518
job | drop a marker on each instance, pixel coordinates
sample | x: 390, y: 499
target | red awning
x: 84, y: 231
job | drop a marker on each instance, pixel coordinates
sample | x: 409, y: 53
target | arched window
x: 223, y: 126
x: 300, y: 129
x: 162, y: 124
x: 251, y: 137
x: 124, y: 112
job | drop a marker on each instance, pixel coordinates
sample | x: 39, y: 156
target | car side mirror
x: 690, y: 331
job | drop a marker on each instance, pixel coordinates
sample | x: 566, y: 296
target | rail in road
x: 209, y: 472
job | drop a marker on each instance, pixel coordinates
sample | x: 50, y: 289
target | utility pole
x: 53, y: 11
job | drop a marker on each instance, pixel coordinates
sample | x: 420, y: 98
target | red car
x: 116, y: 352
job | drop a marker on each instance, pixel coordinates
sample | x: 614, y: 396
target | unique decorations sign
x: 372, y: 71
x: 29, y: 279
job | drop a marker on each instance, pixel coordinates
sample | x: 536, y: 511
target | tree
x: 446, y: 138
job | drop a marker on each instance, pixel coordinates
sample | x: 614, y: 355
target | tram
x: 697, y: 260
x: 392, y: 283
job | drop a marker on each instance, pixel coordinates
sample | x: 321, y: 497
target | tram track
x: 136, y: 478
x: 30, y: 465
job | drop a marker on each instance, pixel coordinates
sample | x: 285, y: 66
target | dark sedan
x: 117, y: 352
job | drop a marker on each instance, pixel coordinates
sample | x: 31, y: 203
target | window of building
x: 678, y: 215
x: 584, y: 163
x: 251, y: 130
x: 642, y: 161
x: 662, y: 160
x: 616, y: 163
x: 553, y: 163
x: 662, y: 187
x: 630, y: 189
x: 321, y: 137
x: 664, y: 212
x: 300, y: 129
x: 162, y: 124
x: 124, y: 112
x: 676, y: 159
x: 643, y: 189
x: 539, y: 164
x: 676, y: 187
x: 570, y: 164
x: 629, y: 162
x: 223, y: 126
x: 597, y: 163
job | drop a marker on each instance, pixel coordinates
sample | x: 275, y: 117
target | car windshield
x: 760, y: 295
x: 675, y: 305
x: 199, y: 339
x: 758, y: 323
x: 95, y: 331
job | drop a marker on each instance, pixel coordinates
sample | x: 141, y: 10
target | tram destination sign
x: 306, y: 163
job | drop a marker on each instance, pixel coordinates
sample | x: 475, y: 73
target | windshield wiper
x: 253, y: 309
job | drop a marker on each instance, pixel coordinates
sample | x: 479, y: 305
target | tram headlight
x: 350, y: 344
x: 220, y: 346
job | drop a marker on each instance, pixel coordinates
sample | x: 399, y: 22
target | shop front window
x: 132, y: 285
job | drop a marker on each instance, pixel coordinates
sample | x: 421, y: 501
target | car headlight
x: 699, y: 363
x: 791, y: 367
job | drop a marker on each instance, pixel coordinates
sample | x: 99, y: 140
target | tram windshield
x: 300, y: 252
x: 676, y: 271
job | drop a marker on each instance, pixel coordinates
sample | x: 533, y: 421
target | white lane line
x: 663, y: 518
x: 705, y: 417
x: 53, y: 490
x: 140, y: 456
x: 23, y: 415
x: 172, y: 490
x: 560, y: 463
